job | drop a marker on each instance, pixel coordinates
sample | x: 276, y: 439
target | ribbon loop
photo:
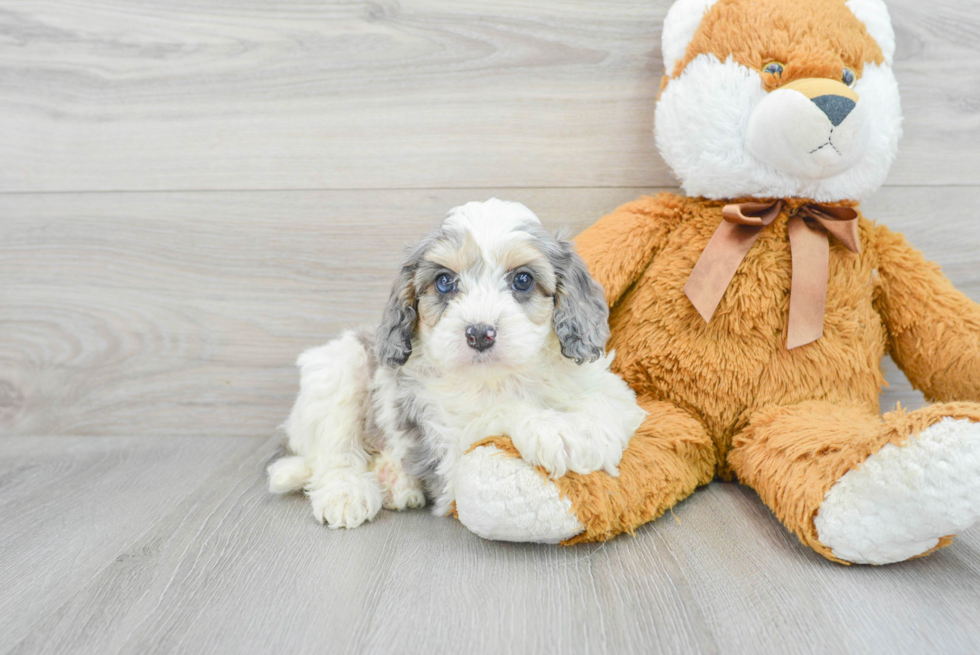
x: 752, y: 213
x: 808, y: 227
x: 841, y: 222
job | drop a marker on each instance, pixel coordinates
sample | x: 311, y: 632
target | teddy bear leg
x: 864, y: 489
x: 500, y: 496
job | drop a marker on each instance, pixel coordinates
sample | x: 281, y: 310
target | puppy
x: 493, y: 327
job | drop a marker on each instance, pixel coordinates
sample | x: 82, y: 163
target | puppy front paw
x: 346, y: 499
x: 400, y: 490
x: 541, y: 440
x: 560, y: 443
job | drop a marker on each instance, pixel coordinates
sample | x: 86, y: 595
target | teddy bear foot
x: 504, y: 498
x: 903, y: 500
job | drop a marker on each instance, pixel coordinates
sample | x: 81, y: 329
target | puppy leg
x: 326, y: 428
x: 401, y: 490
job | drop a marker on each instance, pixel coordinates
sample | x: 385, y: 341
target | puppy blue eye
x: 522, y: 282
x: 445, y: 283
x: 847, y: 77
x: 773, y: 68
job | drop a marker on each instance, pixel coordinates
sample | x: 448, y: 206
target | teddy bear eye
x: 847, y: 77
x: 773, y: 68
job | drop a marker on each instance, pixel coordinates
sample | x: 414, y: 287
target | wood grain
x: 282, y: 153
x: 158, y: 314
x: 71, y: 506
x: 230, y: 568
x: 314, y: 94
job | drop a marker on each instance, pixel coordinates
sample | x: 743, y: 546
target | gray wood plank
x: 761, y: 590
x: 197, y: 304
x: 153, y: 314
x: 70, y: 506
x: 121, y: 95
x: 233, y: 569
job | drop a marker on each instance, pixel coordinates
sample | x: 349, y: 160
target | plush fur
x: 382, y: 416
x: 720, y: 114
x: 725, y: 398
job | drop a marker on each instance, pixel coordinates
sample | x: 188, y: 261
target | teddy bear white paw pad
x: 504, y: 498
x: 902, y: 499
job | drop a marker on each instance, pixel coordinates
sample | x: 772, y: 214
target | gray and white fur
x: 493, y: 327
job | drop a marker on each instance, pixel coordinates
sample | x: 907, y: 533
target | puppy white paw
x: 559, y: 443
x: 591, y: 453
x: 400, y: 490
x: 900, y: 501
x: 541, y: 440
x: 346, y: 499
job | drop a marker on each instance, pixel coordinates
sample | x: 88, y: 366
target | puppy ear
x: 581, y: 318
x: 394, y: 339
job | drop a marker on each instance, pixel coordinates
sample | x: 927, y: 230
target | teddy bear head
x: 779, y: 98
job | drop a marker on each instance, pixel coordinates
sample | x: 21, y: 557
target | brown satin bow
x: 809, y: 247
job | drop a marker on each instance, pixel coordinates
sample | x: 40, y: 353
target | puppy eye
x: 848, y: 77
x: 773, y: 68
x: 522, y: 282
x: 445, y: 283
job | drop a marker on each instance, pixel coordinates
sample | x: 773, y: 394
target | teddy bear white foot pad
x: 504, y: 498
x: 902, y: 499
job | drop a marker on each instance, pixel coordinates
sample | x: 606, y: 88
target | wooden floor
x: 173, y: 545
x: 193, y: 192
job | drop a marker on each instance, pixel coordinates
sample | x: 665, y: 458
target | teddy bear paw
x: 902, y: 500
x: 504, y: 498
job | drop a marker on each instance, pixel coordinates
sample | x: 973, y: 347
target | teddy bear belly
x: 725, y: 370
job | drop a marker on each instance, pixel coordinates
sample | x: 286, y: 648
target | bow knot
x: 808, y: 226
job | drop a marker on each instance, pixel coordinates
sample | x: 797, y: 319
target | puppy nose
x: 835, y: 107
x: 480, y: 336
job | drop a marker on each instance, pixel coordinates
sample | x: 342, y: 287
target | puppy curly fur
x: 383, y: 417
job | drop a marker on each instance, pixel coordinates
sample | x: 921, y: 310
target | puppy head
x: 490, y: 287
x: 779, y: 98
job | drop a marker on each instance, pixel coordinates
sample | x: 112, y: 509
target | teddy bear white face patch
x: 767, y: 98
x: 811, y: 128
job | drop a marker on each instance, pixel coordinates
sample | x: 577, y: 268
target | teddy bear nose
x: 835, y: 107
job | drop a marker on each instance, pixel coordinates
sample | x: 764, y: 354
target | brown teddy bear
x: 751, y: 315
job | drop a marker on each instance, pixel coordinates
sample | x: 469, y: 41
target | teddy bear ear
x: 874, y: 15
x: 684, y: 18
x: 680, y: 25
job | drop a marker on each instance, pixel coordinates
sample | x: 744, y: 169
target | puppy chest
x: 460, y: 412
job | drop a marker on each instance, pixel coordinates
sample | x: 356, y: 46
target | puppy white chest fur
x: 560, y: 415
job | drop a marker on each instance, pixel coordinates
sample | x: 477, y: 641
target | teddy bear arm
x: 619, y: 246
x: 933, y: 329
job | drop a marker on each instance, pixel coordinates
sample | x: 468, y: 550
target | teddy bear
x: 751, y: 314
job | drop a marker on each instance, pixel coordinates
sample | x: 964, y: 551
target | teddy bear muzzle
x: 812, y: 128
